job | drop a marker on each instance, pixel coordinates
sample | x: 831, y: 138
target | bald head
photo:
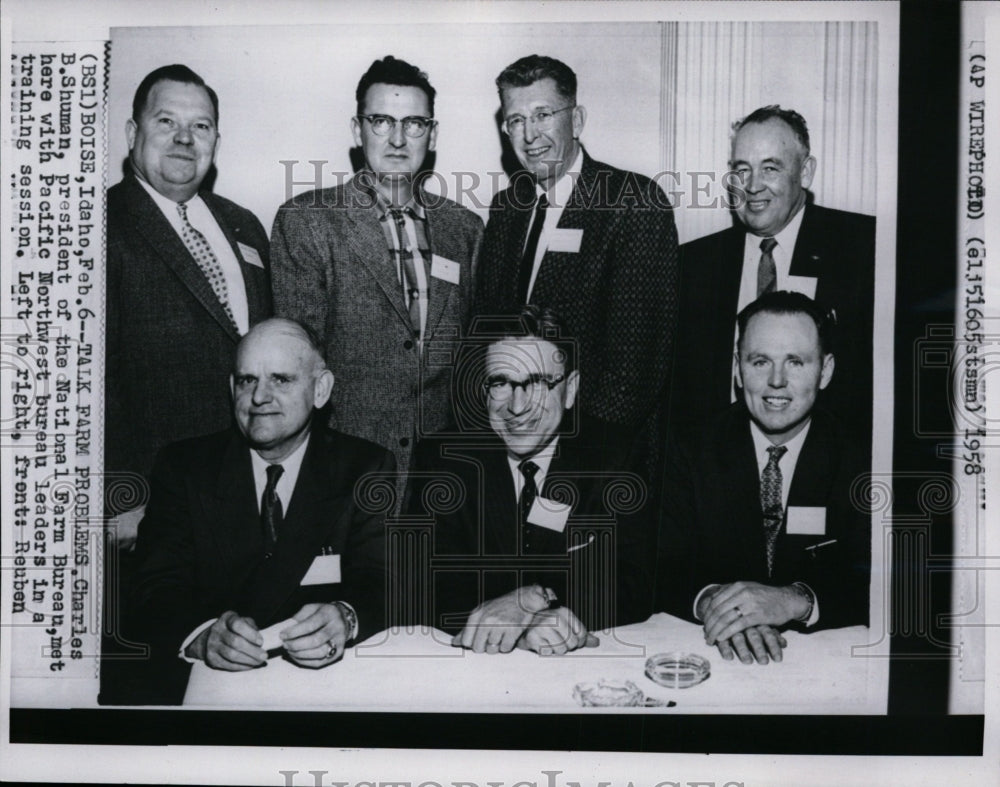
x: 278, y: 379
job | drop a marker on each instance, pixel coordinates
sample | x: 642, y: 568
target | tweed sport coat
x: 169, y: 344
x: 201, y: 545
x: 835, y: 247
x: 617, y: 293
x: 332, y: 270
x: 712, y: 522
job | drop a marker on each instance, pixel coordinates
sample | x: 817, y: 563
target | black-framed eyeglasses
x: 414, y: 126
x: 543, y: 119
x: 500, y: 388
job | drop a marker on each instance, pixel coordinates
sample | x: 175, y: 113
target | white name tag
x: 445, y: 269
x: 568, y: 240
x: 325, y: 570
x: 271, y: 634
x: 549, y: 514
x: 804, y: 284
x: 806, y: 521
x: 250, y: 255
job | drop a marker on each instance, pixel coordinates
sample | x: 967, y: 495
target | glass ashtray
x: 677, y: 670
x: 615, y: 694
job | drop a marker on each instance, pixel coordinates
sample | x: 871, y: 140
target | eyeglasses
x: 543, y: 120
x: 413, y: 126
x: 500, y: 388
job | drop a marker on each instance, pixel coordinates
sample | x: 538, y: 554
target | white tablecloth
x: 418, y: 671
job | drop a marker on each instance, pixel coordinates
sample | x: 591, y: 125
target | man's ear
x: 808, y: 172
x: 579, y: 121
x: 736, y: 368
x: 232, y: 387
x: 130, y: 129
x: 356, y: 131
x: 827, y: 374
x: 572, y: 386
x: 322, y: 388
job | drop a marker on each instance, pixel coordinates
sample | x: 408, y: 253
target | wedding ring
x: 332, y: 651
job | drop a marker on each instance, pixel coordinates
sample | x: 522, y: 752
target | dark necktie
x: 206, y: 259
x: 529, y: 491
x: 767, y: 273
x: 530, y: 249
x: 271, y: 512
x: 770, y: 501
x: 411, y: 284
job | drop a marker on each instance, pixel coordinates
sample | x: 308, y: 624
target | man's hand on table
x: 553, y: 632
x: 231, y: 643
x: 318, y: 637
x: 496, y: 625
x: 762, y: 642
x: 732, y: 608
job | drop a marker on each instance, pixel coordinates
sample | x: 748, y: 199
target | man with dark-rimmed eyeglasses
x: 381, y: 270
x: 535, y: 544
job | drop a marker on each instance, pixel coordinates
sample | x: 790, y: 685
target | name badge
x: 567, y: 240
x: 325, y: 570
x: 250, y: 255
x: 445, y: 269
x: 549, y: 514
x: 806, y: 521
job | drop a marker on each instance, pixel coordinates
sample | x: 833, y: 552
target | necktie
x: 411, y: 286
x: 767, y: 273
x: 206, y: 259
x: 529, y: 491
x: 271, y: 512
x: 770, y: 501
x: 530, y: 248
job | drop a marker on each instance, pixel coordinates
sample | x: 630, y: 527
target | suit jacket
x: 333, y: 271
x: 169, y: 343
x: 617, y: 294
x: 201, y: 548
x: 835, y: 247
x: 595, y: 565
x: 712, y: 523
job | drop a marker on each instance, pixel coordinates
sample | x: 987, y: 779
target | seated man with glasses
x: 537, y: 531
x: 383, y: 274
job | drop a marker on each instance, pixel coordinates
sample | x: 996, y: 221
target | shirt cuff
x: 191, y: 638
x: 702, y: 592
x: 814, y: 612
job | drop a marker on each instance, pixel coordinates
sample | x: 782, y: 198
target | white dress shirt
x: 543, y: 459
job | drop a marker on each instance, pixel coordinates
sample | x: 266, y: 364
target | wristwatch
x: 350, y: 616
x: 810, y: 597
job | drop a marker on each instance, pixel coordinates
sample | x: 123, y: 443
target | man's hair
x: 530, y: 69
x: 531, y: 322
x: 172, y: 73
x: 392, y: 71
x: 785, y: 302
x: 789, y: 117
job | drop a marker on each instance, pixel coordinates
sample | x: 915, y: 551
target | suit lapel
x: 499, y: 509
x: 234, y: 499
x: 254, y: 282
x: 743, y: 479
x: 807, y: 259
x: 167, y: 245
x: 439, y: 292
x: 367, y: 240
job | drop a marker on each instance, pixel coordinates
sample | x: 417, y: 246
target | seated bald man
x: 259, y: 524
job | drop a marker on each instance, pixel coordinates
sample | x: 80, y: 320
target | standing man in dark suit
x: 547, y: 540
x: 763, y: 523
x: 186, y: 277
x: 382, y: 270
x: 261, y: 525
x: 596, y: 244
x: 780, y: 241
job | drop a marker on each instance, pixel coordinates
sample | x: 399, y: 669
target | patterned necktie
x: 770, y: 501
x: 271, y: 512
x: 206, y: 259
x: 411, y: 285
x: 529, y: 491
x: 767, y: 273
x: 530, y: 249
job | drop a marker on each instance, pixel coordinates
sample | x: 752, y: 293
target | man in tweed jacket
x: 339, y: 265
x: 606, y: 256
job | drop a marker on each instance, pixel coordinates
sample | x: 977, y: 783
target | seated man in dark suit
x: 256, y: 525
x: 760, y: 529
x: 536, y: 548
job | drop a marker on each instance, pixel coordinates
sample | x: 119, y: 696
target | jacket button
x: 408, y: 344
x: 404, y: 441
